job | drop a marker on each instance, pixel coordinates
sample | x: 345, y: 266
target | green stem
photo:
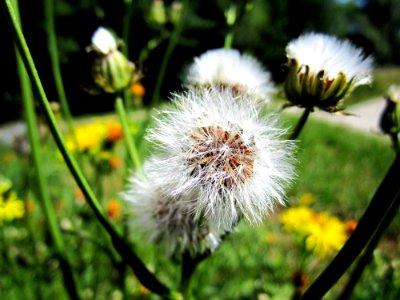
x: 173, y: 41
x: 42, y: 187
x: 367, y: 255
x: 301, y: 123
x: 55, y: 62
x: 372, y: 217
x: 130, y: 257
x: 228, y: 40
x: 130, y: 143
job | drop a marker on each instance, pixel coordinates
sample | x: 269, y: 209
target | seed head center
x: 221, y: 156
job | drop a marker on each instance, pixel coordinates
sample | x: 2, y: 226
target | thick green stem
x: 300, y: 124
x: 373, y: 216
x: 173, y: 41
x: 55, y: 62
x: 143, y: 274
x: 367, y: 255
x: 42, y: 187
x: 130, y: 143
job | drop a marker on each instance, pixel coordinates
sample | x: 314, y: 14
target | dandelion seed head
x: 215, y: 144
x: 164, y: 219
x: 229, y: 68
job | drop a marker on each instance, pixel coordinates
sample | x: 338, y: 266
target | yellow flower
x: 11, y: 207
x: 296, y: 219
x: 88, y: 137
x: 327, y: 234
x: 324, y: 234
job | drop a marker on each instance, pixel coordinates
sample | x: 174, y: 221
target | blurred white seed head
x: 229, y: 68
x: 165, y: 218
x: 103, y: 42
x: 214, y: 144
x: 323, y: 70
x: 393, y: 93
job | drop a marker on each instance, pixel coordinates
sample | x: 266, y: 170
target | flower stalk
x: 300, y: 124
x: 130, y: 143
x: 144, y: 275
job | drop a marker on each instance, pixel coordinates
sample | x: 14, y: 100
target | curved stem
x: 143, y: 274
x: 382, y: 200
x: 367, y: 255
x: 301, y: 123
x: 173, y: 41
x: 42, y: 187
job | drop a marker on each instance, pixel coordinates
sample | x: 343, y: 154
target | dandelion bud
x: 158, y: 12
x: 111, y: 70
x: 323, y: 71
x: 175, y: 12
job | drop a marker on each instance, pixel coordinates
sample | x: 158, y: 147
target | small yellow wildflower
x: 88, y: 137
x: 327, y: 234
x: 296, y: 219
x: 324, y: 234
x: 11, y: 207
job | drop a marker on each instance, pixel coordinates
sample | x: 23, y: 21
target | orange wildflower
x: 137, y: 89
x: 114, y: 209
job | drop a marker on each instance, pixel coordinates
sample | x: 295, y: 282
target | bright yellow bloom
x: 323, y: 233
x: 11, y: 207
x: 327, y: 234
x: 296, y: 219
x: 91, y: 137
x: 88, y: 137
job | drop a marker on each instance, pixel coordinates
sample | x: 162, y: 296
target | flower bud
x: 113, y: 72
x: 323, y: 71
x: 158, y: 12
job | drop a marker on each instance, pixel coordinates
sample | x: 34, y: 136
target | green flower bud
x: 113, y: 72
x: 158, y: 12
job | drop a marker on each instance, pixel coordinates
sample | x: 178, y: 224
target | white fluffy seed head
x: 324, y: 52
x: 103, y: 42
x: 229, y: 68
x: 164, y: 219
x: 214, y: 144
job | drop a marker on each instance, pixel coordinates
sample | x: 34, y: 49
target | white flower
x: 229, y: 68
x: 103, y: 42
x: 164, y: 219
x: 216, y: 145
x: 323, y: 70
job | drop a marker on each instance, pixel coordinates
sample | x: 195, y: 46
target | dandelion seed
x: 323, y: 70
x: 228, y: 68
x: 216, y: 145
